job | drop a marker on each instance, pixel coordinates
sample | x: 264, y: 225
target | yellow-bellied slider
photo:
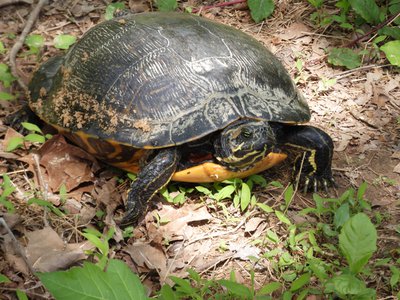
x: 171, y: 86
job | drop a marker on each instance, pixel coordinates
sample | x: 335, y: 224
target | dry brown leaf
x: 12, y: 256
x: 397, y: 168
x: 253, y: 223
x: 396, y: 154
x: 343, y: 143
x: 243, y: 251
x: 148, y: 257
x: 295, y: 30
x: 138, y: 6
x: 66, y: 163
x: 47, y: 252
x: 179, y: 219
x: 10, y: 134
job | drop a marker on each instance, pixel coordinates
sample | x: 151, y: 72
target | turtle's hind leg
x: 314, y: 161
x: 154, y: 176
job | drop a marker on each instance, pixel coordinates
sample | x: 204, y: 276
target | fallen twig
x: 229, y: 3
x: 20, y: 41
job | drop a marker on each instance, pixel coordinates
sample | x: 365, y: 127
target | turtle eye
x: 246, y: 133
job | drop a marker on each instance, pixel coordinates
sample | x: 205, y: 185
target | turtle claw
x: 316, y: 183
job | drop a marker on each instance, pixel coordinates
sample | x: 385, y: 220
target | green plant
x: 166, y: 5
x: 100, y: 241
x: 6, y: 77
x: 351, y: 16
x: 35, y: 136
x: 34, y: 42
x: 91, y: 281
x: 175, y: 194
x: 47, y: 205
x: 260, y: 9
x: 64, y: 41
x: 196, y: 287
x: 7, y: 188
x: 239, y: 190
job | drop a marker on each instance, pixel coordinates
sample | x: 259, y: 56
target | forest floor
x: 359, y: 109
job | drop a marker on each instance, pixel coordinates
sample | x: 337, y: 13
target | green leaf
x: 318, y: 269
x: 362, y: 189
x: 260, y: 9
x: 282, y: 217
x: 35, y: 138
x: 5, y: 75
x: 6, y: 96
x: 349, y: 285
x: 342, y: 214
x: 4, y: 279
x: 237, y: 289
x: 367, y: 9
x: 344, y: 57
x: 47, y: 204
x: 357, y: 240
x: 272, y: 236
x: 111, y: 8
x: 392, y: 52
x: 64, y: 41
x: 224, y: 193
x: 166, y: 5
x: 31, y: 127
x: 316, y: 3
x: 90, y: 282
x: 183, y: 285
x: 97, y: 242
x: 179, y: 198
x: 394, y: 279
x: 14, y: 143
x: 203, y: 190
x: 300, y: 282
x: 21, y: 295
x: 34, y: 42
x: 2, y: 49
x: 288, y: 195
x: 245, y: 196
x: 266, y: 208
x: 258, y: 179
x: 393, y: 32
x: 269, y: 288
x: 167, y: 293
x: 276, y: 184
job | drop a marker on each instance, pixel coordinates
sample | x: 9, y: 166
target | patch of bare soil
x: 360, y: 110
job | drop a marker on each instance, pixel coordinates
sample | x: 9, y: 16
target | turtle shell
x: 159, y: 79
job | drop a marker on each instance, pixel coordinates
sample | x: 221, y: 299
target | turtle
x: 174, y: 96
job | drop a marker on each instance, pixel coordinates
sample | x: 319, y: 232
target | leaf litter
x: 360, y: 111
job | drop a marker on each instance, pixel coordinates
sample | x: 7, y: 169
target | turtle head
x: 243, y: 143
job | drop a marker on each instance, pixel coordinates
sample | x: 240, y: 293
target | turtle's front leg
x: 154, y: 176
x: 315, y: 160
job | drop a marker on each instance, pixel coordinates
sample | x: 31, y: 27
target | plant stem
x: 375, y: 29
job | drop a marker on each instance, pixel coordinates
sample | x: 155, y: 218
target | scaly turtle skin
x: 169, y: 87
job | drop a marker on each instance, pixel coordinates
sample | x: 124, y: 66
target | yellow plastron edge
x: 211, y: 172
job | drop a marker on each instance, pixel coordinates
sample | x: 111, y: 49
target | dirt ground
x: 361, y: 112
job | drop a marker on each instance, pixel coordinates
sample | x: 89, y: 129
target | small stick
x: 18, y: 44
x: 43, y: 184
x: 229, y: 3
